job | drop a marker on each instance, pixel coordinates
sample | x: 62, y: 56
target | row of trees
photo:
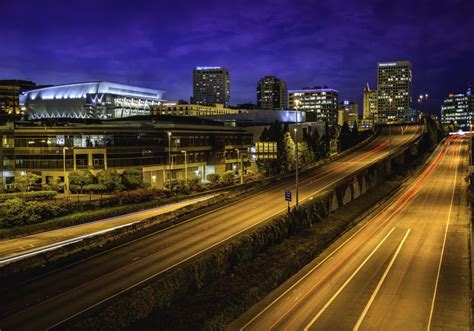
x: 348, y: 137
x: 106, y: 181
x: 312, y: 148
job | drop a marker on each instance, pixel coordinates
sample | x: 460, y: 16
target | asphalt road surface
x: 19, y: 248
x: 57, y: 296
x: 405, y: 267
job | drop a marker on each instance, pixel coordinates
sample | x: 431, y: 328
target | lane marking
x: 379, y: 285
x: 176, y: 264
x: 428, y: 327
x: 186, y: 259
x: 303, y: 183
x: 421, y: 177
x: 330, y: 301
x: 364, y: 155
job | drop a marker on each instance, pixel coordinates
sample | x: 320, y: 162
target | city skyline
x: 336, y: 44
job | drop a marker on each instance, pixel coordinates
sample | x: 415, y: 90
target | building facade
x: 370, y: 104
x: 457, y: 112
x: 98, y: 100
x: 320, y: 104
x: 272, y: 93
x: 185, y: 109
x: 394, y: 92
x: 10, y: 91
x: 53, y: 151
x: 211, y: 85
x: 348, y: 112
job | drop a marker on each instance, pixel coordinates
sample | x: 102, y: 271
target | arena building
x: 99, y: 100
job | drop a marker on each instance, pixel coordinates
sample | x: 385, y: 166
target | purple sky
x: 157, y: 43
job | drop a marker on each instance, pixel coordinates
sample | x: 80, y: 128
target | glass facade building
x: 9, y: 94
x: 457, y: 112
x: 320, y: 104
x: 211, y: 85
x: 272, y: 93
x: 394, y: 82
x: 120, y: 144
x: 99, y: 100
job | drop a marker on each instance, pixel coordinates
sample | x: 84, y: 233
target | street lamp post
x: 390, y: 128
x: 169, y: 160
x: 296, y: 172
x: 241, y: 169
x: 422, y: 101
x: 185, y: 166
x: 66, y: 186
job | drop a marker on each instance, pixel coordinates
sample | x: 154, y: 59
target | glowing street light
x: 390, y: 128
x: 66, y: 186
x: 169, y: 159
x: 241, y: 170
x: 185, y: 166
x: 296, y: 172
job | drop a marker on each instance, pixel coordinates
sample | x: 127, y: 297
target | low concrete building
x: 161, y: 146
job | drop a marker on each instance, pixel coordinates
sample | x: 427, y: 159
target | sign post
x: 288, y: 198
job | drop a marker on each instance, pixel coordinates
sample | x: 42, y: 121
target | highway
x: 21, y: 247
x: 57, y: 296
x: 404, y: 267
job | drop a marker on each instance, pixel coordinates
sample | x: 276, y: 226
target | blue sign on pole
x: 288, y: 195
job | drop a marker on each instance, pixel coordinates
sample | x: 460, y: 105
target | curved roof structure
x: 90, y: 100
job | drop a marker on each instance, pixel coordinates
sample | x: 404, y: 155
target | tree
x: 274, y: 133
x: 228, y: 177
x: 312, y: 139
x: 355, y: 134
x: 79, y: 179
x: 55, y: 184
x: 132, y: 178
x: 345, y: 137
x: 213, y: 178
x: 325, y: 141
x: 110, y: 180
x: 25, y: 181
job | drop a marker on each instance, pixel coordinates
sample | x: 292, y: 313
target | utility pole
x: 296, y: 172
x: 66, y: 186
x: 241, y: 170
x: 185, y: 166
x: 390, y: 129
x: 169, y: 160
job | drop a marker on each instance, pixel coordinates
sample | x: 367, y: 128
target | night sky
x: 156, y: 44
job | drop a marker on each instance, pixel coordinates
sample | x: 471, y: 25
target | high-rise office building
x: 394, y: 92
x: 348, y: 112
x: 370, y: 104
x: 319, y: 103
x: 272, y: 93
x: 211, y: 85
x: 457, y: 111
x: 9, y: 94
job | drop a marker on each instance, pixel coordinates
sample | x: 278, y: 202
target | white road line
x: 379, y: 285
x: 315, y: 318
x: 184, y: 260
x: 443, y: 247
x: 313, y: 269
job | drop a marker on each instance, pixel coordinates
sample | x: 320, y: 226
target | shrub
x: 26, y: 181
x: 140, y: 195
x: 132, y: 178
x: 228, y: 177
x: 80, y: 178
x: 109, y: 180
x: 17, y: 212
x: 213, y: 178
x: 35, y: 195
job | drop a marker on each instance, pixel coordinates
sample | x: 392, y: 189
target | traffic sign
x: 288, y: 195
